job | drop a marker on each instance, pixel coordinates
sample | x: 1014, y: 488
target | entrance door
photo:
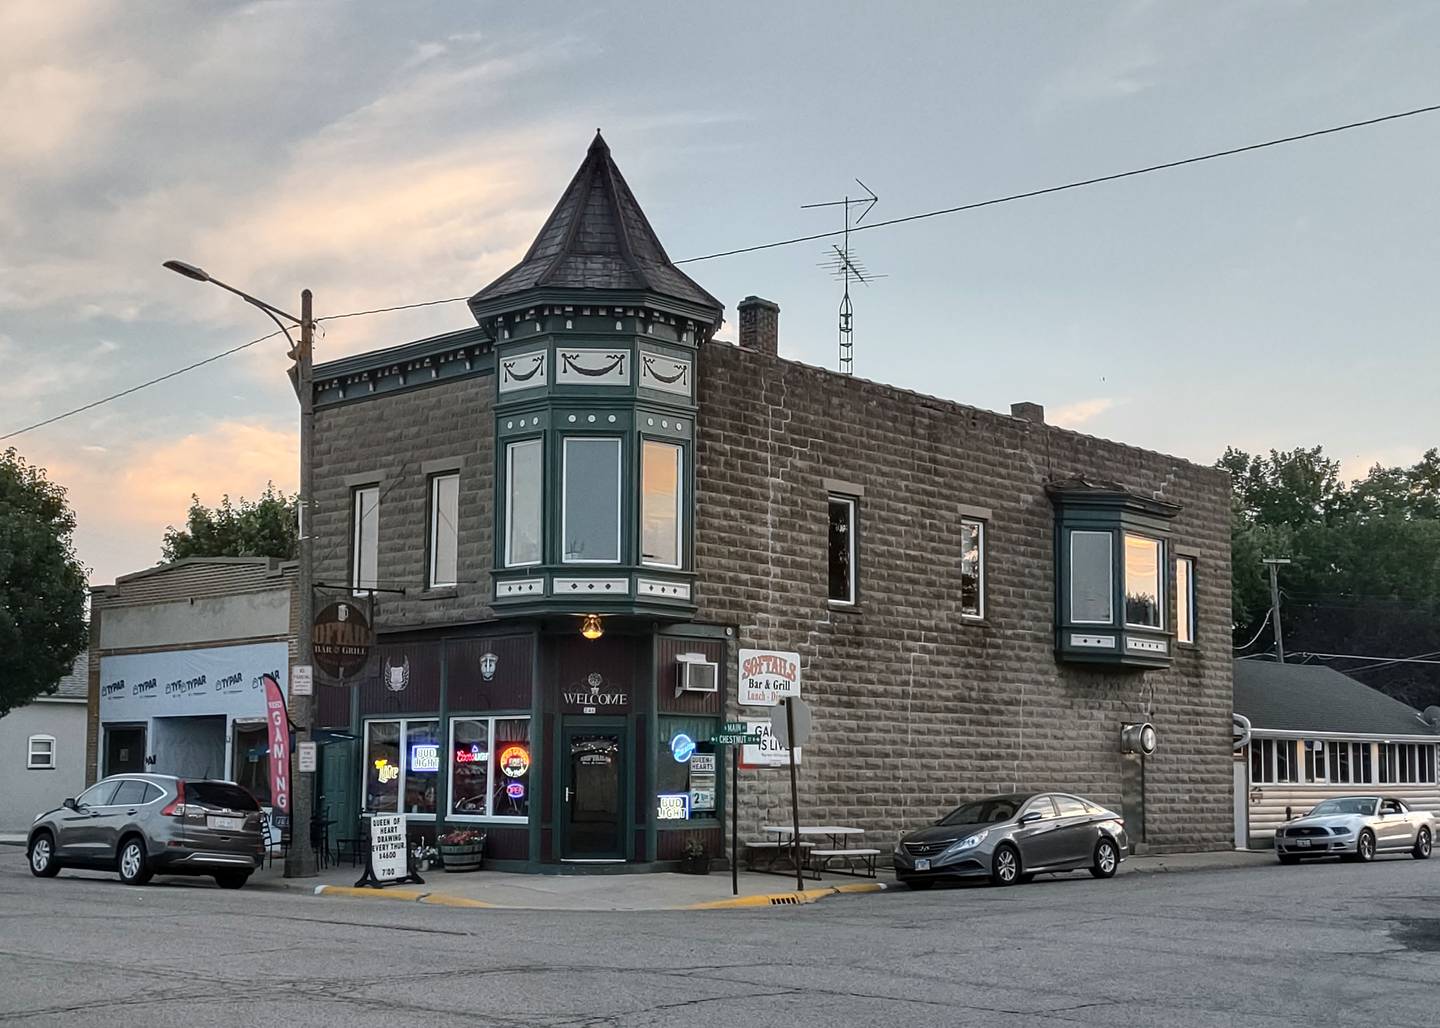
x: 594, y: 791
x: 124, y: 750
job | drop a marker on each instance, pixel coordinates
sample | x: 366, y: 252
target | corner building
x: 571, y: 517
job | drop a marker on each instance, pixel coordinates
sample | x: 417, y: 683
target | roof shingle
x: 1307, y: 698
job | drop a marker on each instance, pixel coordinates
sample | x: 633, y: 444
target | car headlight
x: 970, y: 841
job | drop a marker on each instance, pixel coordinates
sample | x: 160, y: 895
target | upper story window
x: 661, y: 504
x: 843, y: 524
x: 365, y: 538
x: 524, y: 501
x: 1142, y: 582
x: 590, y: 500
x: 1185, y: 599
x: 444, y: 535
x: 41, y: 756
x: 1092, y: 582
x: 972, y: 568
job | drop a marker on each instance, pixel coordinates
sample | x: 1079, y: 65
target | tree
x: 264, y: 527
x: 1365, y: 576
x: 42, y: 584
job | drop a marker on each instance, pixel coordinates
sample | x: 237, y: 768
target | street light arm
x: 256, y: 302
x: 270, y: 313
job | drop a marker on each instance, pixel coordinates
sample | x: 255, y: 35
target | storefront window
x: 490, y: 770
x: 422, y: 766
x: 695, y: 777
x: 382, y: 765
x: 251, y: 749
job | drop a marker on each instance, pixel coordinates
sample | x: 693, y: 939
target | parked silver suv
x: 142, y: 825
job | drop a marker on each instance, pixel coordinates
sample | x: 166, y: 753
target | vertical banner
x: 277, y: 719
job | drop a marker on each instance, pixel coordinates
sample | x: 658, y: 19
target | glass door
x: 593, y: 793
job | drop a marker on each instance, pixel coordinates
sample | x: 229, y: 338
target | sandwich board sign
x: 388, y: 862
x: 768, y: 676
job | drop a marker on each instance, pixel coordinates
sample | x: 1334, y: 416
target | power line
x: 1257, y: 634
x: 136, y: 388
x: 1075, y: 185
x: 1383, y: 660
x: 790, y: 242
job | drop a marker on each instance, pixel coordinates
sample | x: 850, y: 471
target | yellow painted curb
x: 787, y: 899
x: 442, y: 900
x: 404, y: 895
x: 861, y: 887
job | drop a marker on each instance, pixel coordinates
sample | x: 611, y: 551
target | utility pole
x: 300, y: 857
x: 1273, y: 563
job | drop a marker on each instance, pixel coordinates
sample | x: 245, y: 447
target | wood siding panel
x: 668, y: 650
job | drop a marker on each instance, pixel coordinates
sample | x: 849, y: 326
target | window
x: 130, y: 794
x: 696, y: 777
x: 842, y: 550
x: 524, y: 490
x: 421, y: 775
x: 1272, y: 762
x: 444, y: 535
x: 393, y: 771
x: 490, y: 780
x: 41, y: 753
x: 661, y: 514
x: 972, y: 568
x: 98, y: 795
x: 1091, y: 585
x: 382, y: 766
x: 219, y: 796
x: 1069, y: 806
x: 1314, y: 761
x: 590, y: 506
x: 1142, y: 582
x: 251, y: 759
x: 365, y: 523
x: 1350, y: 763
x: 1042, y: 805
x: 1185, y: 599
x: 1407, y: 764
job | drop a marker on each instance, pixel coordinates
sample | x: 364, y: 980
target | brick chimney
x: 760, y: 325
x: 1028, y: 412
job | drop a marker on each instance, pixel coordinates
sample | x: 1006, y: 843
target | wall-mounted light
x: 591, y: 628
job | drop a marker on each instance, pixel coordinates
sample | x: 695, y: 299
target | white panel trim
x: 591, y: 587
x: 528, y: 370
x: 1147, y: 646
x: 592, y: 367
x: 666, y: 373
x: 520, y: 587
x: 664, y: 590
x: 1098, y: 642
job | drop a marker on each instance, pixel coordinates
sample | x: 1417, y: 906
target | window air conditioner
x: 696, y: 674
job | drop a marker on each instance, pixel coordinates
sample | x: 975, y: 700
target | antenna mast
x: 845, y: 265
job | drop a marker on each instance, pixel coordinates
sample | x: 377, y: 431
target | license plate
x: 226, y: 824
x: 922, y: 863
x: 1303, y: 844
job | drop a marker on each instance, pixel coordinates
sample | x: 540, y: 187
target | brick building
x: 577, y: 512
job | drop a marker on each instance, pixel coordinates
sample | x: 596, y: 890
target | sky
x: 383, y: 154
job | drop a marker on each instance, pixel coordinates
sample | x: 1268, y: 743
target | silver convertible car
x: 1356, y: 828
x: 1013, y: 838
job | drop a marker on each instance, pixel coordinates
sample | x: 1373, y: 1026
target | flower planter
x: 697, y: 865
x: 465, y: 857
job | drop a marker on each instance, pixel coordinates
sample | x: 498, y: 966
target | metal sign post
x: 794, y: 797
x: 734, y: 735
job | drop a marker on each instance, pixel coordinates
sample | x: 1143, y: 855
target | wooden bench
x: 820, y: 860
x: 775, y: 850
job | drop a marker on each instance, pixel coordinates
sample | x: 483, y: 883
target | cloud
x: 1358, y: 465
x: 1074, y: 415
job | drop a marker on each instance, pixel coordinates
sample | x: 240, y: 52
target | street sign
x: 766, y: 676
x: 800, y: 714
x: 733, y: 728
x: 736, y: 740
x: 302, y: 680
x: 305, y: 751
x: 767, y: 752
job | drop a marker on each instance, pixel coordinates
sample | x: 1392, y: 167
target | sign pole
x: 734, y: 820
x: 794, y: 796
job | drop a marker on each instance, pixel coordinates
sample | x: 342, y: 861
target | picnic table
x: 817, y: 858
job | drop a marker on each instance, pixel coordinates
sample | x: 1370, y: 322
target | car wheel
x: 42, y: 856
x: 231, y: 879
x: 132, y: 863
x: 1365, y: 847
x: 1422, y: 845
x: 918, y: 884
x: 1289, y: 858
x: 1107, y: 859
x: 1005, y: 866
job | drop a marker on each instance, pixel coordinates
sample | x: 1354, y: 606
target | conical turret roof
x: 597, y: 238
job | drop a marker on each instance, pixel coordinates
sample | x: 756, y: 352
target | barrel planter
x: 463, y: 855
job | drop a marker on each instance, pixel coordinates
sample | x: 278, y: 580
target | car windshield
x: 1345, y: 805
x: 985, y: 812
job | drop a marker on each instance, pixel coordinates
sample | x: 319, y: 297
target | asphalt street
x: 1315, y: 945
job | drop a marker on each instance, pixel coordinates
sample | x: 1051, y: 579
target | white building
x: 42, y: 751
x: 1316, y: 733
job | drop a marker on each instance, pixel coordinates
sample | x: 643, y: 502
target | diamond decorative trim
x: 662, y: 589
x: 520, y: 587
x: 591, y: 587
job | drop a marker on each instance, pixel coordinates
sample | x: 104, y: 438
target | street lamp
x: 299, y: 859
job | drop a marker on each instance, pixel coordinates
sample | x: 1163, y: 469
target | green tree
x: 42, y: 584
x: 263, y: 527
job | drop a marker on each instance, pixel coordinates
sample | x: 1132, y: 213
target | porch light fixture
x: 591, y: 628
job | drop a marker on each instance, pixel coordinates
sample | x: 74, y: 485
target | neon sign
x: 682, y: 747
x: 387, y: 771
x: 674, y: 806
x: 515, y: 790
x: 424, y: 756
x: 474, y: 755
x: 514, y: 760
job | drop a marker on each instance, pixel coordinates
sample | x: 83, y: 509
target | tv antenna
x: 846, y: 266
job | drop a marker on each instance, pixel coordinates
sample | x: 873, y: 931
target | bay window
x: 490, y: 761
x: 1142, y: 582
x: 1092, y: 585
x: 590, y: 500
x: 661, y: 510
x: 524, y: 502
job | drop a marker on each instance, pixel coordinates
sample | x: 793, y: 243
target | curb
x: 777, y: 899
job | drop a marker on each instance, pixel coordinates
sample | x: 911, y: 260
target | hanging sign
x: 768, y: 676
x: 277, y: 721
x: 342, y: 640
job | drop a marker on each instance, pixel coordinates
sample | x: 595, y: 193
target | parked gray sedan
x: 1356, y: 828
x: 1012, y: 838
x: 142, y: 825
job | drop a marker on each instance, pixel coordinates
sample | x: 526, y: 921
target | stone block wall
x: 916, y: 709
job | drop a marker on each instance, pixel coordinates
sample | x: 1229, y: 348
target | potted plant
x: 695, y: 861
x: 462, y: 849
